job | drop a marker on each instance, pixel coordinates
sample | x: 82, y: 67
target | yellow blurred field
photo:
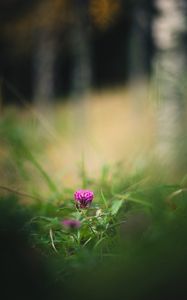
x: 107, y: 127
x: 105, y: 130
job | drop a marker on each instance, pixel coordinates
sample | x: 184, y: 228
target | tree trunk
x: 169, y: 71
x: 81, y: 78
x: 44, y: 60
x: 81, y: 51
x: 140, y: 36
x: 139, y: 54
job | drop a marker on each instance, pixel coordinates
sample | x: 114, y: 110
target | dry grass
x: 103, y: 129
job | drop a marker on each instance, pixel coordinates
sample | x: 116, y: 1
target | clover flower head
x: 71, y: 224
x: 83, y: 198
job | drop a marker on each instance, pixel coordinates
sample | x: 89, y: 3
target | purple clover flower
x: 83, y: 198
x: 71, y: 224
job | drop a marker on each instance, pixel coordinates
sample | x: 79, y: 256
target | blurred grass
x: 94, y: 134
x: 137, y: 245
x: 132, y: 240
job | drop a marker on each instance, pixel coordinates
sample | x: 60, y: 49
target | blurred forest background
x: 50, y: 49
x: 111, y: 72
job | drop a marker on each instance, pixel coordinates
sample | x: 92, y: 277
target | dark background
x: 112, y: 60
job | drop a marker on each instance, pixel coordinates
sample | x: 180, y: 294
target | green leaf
x: 104, y: 199
x: 99, y: 242
x: 116, y: 206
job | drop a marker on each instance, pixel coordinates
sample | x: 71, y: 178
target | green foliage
x: 20, y: 142
x: 138, y: 234
x: 134, y: 233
